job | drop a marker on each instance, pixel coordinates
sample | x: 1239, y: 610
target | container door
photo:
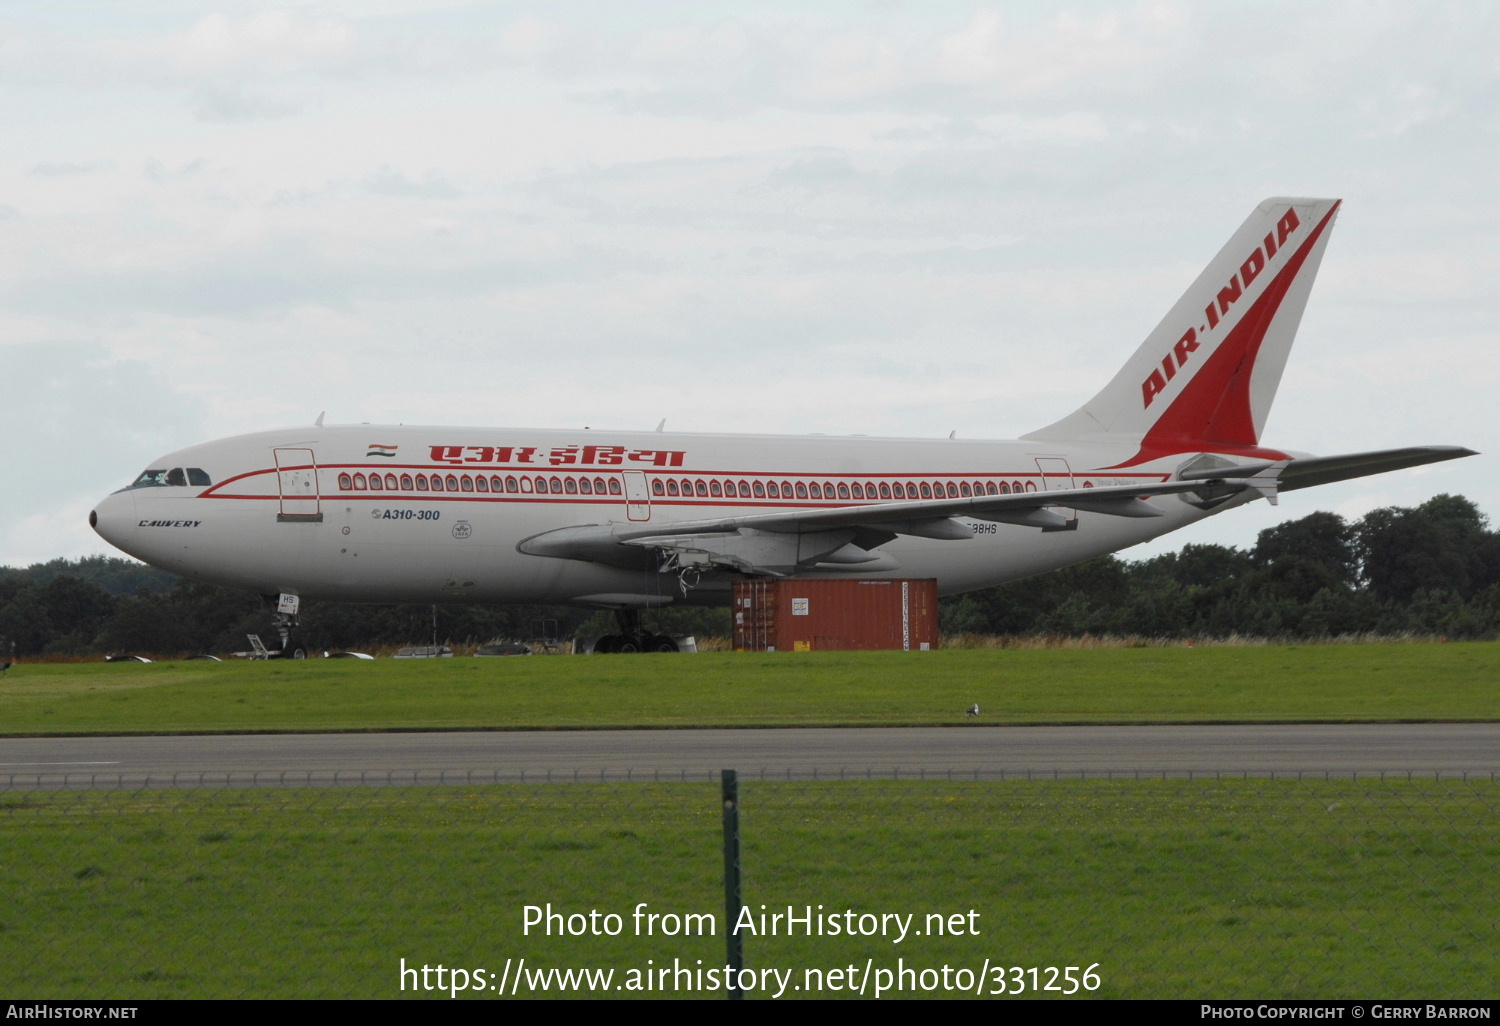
x: 637, y: 496
x: 1057, y: 476
x: 297, y: 479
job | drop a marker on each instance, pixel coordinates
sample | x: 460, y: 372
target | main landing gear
x: 633, y: 637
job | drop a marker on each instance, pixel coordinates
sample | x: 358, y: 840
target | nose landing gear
x: 284, y: 622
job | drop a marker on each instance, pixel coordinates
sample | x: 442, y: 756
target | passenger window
x: 197, y: 477
x: 437, y: 482
x: 570, y: 485
x: 701, y: 487
x: 858, y: 490
x: 175, y: 476
x: 816, y: 489
x: 714, y: 488
x: 869, y: 489
x: 541, y: 486
x: 1004, y: 487
x: 481, y: 484
x: 452, y: 483
x: 1031, y: 486
x: 526, y: 488
x: 989, y: 488
x: 599, y: 488
x: 786, y: 489
x: 359, y: 482
x: 556, y: 486
x: 759, y: 489
x: 421, y: 482
x: 899, y: 489
x: 911, y: 489
x: 465, y: 483
x: 773, y: 489
x: 375, y: 484
x: 345, y: 482
x: 406, y: 483
x: 827, y: 489
x: 744, y: 489
x: 390, y: 482
x: 843, y: 490
x: 511, y: 485
x: 657, y: 488
x: 926, y: 491
x: 801, y: 490
x: 885, y: 490
x: 585, y: 486
x: 671, y: 486
x: 614, y: 486
x: 964, y: 489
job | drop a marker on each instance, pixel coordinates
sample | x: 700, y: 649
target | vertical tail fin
x: 1204, y: 378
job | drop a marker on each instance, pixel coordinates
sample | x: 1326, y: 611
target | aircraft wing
x: 843, y: 538
x: 849, y: 537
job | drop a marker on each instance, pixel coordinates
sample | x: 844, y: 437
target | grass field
x: 1175, y: 888
x: 1420, y: 681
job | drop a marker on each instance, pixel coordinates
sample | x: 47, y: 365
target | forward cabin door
x: 297, y: 480
x: 637, y: 496
x: 1057, y: 476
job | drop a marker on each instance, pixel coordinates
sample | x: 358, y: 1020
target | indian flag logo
x: 381, y: 450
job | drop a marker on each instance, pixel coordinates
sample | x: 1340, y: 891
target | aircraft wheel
x: 294, y: 650
x: 662, y: 643
x: 628, y: 646
x: 605, y: 645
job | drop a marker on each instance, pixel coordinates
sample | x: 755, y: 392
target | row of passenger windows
x: 683, y: 486
x: 843, y: 490
x: 479, y: 483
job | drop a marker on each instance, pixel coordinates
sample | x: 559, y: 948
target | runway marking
x: 114, y: 762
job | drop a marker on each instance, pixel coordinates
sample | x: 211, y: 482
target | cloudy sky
x: 901, y: 218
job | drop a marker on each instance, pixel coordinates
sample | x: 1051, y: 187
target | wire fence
x: 908, y: 883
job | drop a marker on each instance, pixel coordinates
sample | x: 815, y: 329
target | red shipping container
x: 793, y: 615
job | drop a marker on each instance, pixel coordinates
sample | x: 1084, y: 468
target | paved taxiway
x: 1313, y: 748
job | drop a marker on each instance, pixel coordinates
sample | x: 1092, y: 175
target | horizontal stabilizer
x: 1320, y: 470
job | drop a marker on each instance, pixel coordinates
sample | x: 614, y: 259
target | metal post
x: 736, y: 948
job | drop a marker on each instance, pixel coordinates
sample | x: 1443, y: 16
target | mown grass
x: 1256, y: 888
x: 1387, y: 682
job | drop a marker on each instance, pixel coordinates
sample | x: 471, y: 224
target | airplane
x: 641, y: 520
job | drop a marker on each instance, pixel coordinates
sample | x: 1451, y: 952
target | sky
x: 885, y: 218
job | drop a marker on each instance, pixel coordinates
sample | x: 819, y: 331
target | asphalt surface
x: 271, y: 759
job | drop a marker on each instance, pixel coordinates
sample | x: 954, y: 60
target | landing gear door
x: 1057, y: 476
x: 637, y: 496
x: 297, y: 481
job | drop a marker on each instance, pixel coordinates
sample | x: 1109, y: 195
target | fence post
x: 736, y: 949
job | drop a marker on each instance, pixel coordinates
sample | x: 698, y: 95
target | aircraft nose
x: 113, y: 519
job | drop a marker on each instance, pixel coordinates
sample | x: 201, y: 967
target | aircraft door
x: 1057, y: 476
x: 297, y: 482
x: 637, y: 496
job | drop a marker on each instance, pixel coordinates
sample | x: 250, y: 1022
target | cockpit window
x: 175, y: 476
x: 197, y: 477
x: 150, y: 479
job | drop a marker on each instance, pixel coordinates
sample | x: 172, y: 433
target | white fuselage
x: 295, y: 511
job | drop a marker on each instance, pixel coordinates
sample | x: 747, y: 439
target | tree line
x: 1432, y: 569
